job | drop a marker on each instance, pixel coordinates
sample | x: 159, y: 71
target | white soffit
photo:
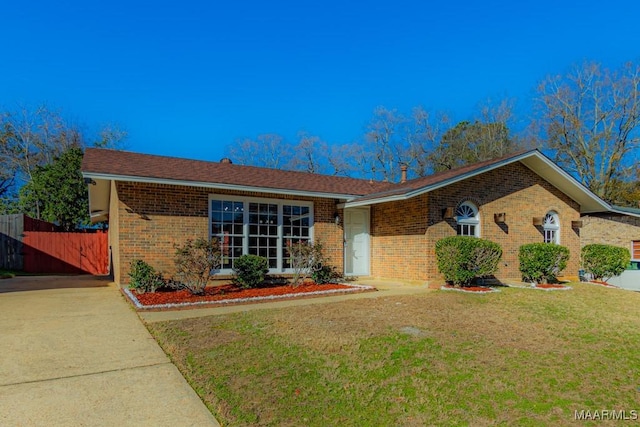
x: 99, y: 199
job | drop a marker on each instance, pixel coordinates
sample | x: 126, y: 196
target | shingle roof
x: 114, y: 163
x: 105, y: 165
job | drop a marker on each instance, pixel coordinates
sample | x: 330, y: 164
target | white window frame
x: 464, y: 221
x: 280, y: 236
x: 551, y: 228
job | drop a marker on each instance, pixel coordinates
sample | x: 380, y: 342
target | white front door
x: 356, y: 237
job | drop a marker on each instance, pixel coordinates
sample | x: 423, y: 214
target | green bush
x: 542, y: 262
x: 144, y: 277
x: 604, y: 261
x: 461, y: 259
x: 195, y: 261
x: 323, y: 274
x: 250, y: 271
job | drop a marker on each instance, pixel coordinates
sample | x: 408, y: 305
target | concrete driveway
x: 73, y: 353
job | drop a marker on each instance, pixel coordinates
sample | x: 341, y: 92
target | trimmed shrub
x: 604, y: 261
x: 144, y: 277
x: 542, y: 262
x: 461, y: 259
x: 195, y: 262
x: 250, y: 271
x: 323, y: 274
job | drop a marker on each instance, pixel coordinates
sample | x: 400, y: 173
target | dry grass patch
x: 517, y: 357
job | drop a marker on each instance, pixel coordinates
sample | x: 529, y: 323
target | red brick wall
x: 148, y: 220
x: 418, y: 223
x: 398, y: 243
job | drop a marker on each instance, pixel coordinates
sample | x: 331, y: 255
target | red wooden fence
x: 55, y: 252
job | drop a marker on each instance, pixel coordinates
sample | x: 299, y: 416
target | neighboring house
x: 620, y: 226
x: 367, y: 228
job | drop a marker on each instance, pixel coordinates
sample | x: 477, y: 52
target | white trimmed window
x: 258, y: 227
x: 551, y: 228
x: 468, y: 220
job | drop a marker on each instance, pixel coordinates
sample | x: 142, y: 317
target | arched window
x: 468, y: 220
x: 551, y: 227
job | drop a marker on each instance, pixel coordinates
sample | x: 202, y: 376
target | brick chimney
x: 403, y: 174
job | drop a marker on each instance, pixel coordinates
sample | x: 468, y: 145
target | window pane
x: 228, y: 225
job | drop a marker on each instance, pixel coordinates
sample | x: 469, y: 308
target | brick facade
x: 611, y: 229
x: 403, y: 234
x: 148, y: 220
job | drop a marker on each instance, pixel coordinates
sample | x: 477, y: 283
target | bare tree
x: 486, y: 137
x: 427, y: 130
x: 348, y: 159
x: 267, y: 150
x: 111, y: 136
x: 33, y: 138
x: 590, y: 118
x: 385, y: 142
x: 309, y: 154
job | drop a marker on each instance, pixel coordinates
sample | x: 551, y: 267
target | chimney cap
x: 226, y: 160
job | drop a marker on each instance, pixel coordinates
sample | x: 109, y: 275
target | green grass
x: 7, y: 274
x: 518, y: 357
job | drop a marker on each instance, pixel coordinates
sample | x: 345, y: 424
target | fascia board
x: 232, y: 187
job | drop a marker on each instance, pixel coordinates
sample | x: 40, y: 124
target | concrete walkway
x: 73, y: 353
x: 385, y: 288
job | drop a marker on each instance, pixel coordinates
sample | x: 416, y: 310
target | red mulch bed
x: 478, y: 289
x: 605, y: 284
x: 232, y: 292
x: 550, y: 286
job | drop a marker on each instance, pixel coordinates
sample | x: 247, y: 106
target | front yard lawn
x: 517, y: 357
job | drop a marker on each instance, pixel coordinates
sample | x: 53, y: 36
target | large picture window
x: 259, y: 227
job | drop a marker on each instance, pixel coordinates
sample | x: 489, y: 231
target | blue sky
x: 188, y: 78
